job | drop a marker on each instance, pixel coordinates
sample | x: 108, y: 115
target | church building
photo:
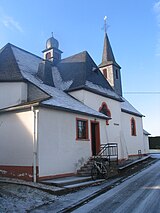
x: 56, y: 113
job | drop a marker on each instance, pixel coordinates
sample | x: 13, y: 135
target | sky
x: 133, y: 30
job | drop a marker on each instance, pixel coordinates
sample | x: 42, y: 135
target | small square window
x: 82, y: 129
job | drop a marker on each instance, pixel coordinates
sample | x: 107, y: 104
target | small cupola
x: 52, y: 52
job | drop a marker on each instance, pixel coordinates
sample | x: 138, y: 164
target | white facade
x: 16, y: 131
x: 44, y: 142
x: 95, y: 101
x: 113, y: 130
x: 59, y: 150
x: 12, y: 93
x: 119, y: 128
x: 132, y: 143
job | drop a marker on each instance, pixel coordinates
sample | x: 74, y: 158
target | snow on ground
x: 20, y: 198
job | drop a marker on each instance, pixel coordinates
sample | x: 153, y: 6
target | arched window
x: 105, y: 110
x: 48, y: 55
x: 133, y: 127
x: 105, y: 73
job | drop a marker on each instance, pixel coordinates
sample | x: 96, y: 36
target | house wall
x: 16, y: 151
x: 131, y: 143
x: 12, y: 93
x: 59, y: 151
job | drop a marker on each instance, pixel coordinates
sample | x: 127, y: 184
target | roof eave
x: 132, y: 113
x: 73, y: 111
x: 20, y: 107
x: 94, y: 91
x: 103, y: 64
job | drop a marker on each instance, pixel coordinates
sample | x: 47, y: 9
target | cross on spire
x: 105, y: 24
x: 52, y: 34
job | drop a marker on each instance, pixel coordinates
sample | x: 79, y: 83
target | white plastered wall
x: 132, y: 143
x: 113, y: 130
x: 146, y: 143
x: 16, y: 139
x: 59, y: 151
x: 12, y: 93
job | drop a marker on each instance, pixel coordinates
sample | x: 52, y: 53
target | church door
x: 95, y: 137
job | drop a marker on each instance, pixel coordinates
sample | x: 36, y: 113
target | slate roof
x: 78, y: 71
x: 107, y: 56
x: 145, y: 132
x: 24, y: 66
x: 9, y: 70
x: 85, y: 74
x: 128, y: 108
x: 75, y: 72
x: 60, y: 100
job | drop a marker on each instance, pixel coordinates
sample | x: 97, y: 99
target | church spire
x: 107, y: 56
x: 109, y: 68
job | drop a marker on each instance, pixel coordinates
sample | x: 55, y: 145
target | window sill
x: 80, y: 139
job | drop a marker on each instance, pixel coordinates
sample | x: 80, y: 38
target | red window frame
x: 105, y: 110
x: 81, y: 129
x: 133, y: 127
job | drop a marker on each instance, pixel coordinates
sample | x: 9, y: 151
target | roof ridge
x: 82, y: 52
x: 12, y: 45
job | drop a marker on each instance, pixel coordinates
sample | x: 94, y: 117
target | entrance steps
x: 73, y: 183
x: 85, y: 170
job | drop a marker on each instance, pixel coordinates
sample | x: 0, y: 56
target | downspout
x: 35, y: 142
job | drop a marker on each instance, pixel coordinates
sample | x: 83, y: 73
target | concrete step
x: 73, y: 183
x: 61, y: 182
x: 84, y: 184
x: 83, y: 173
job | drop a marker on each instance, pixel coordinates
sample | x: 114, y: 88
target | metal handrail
x: 109, y: 151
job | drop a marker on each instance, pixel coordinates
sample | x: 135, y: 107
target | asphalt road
x: 138, y: 194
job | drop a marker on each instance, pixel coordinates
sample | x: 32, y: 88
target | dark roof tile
x: 9, y: 70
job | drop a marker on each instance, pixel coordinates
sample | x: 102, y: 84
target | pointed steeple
x: 107, y: 56
x: 109, y: 67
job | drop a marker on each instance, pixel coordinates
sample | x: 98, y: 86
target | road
x: 138, y: 194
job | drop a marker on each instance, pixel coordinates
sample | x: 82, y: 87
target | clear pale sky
x: 134, y: 33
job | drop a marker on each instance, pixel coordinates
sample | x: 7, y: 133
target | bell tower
x: 109, y: 68
x: 52, y: 52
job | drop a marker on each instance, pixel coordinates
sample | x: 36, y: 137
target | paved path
x: 139, y: 194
